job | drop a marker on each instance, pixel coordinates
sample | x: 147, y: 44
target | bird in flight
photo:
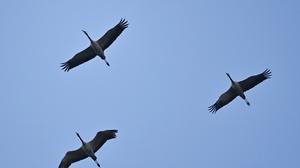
x: 96, y: 47
x: 238, y: 89
x: 87, y: 149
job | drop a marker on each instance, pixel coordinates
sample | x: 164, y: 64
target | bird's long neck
x: 87, y: 35
x: 80, y: 138
x: 229, y: 78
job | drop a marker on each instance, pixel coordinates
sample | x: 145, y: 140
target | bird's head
x: 229, y: 77
x: 80, y: 138
x: 227, y: 74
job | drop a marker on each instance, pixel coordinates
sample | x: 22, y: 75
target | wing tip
x: 113, y: 132
x: 267, y: 73
x: 123, y: 23
x: 65, y: 66
x: 213, y: 109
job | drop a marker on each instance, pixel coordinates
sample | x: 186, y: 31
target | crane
x: 238, y: 89
x: 87, y: 149
x: 96, y: 47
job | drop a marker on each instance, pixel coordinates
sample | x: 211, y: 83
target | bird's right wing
x: 224, y: 99
x: 79, y: 58
x: 111, y: 35
x: 101, y: 137
x: 254, y: 80
x: 71, y: 157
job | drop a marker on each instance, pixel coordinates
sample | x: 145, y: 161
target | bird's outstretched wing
x: 224, y: 99
x: 252, y: 81
x: 71, y: 157
x: 101, y: 137
x: 111, y: 35
x: 81, y: 57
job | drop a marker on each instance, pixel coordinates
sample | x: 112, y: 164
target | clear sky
x: 166, y: 69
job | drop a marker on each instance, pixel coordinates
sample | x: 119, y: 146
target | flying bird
x: 87, y: 149
x: 238, y: 89
x: 96, y: 47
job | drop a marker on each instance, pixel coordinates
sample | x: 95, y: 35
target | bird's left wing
x: 111, y: 35
x: 71, y: 157
x: 101, y: 138
x: 81, y: 57
x: 224, y: 99
x: 252, y: 81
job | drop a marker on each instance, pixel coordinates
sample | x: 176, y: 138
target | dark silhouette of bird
x: 87, y: 149
x: 238, y: 89
x: 96, y: 47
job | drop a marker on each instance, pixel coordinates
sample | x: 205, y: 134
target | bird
x: 87, y: 149
x: 96, y: 47
x: 238, y: 89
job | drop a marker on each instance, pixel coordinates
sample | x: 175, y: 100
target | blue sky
x: 166, y: 69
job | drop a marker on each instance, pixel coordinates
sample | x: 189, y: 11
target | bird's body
x: 87, y: 149
x: 238, y: 89
x: 96, y: 48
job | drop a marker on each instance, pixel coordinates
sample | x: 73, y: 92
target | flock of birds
x: 97, y: 48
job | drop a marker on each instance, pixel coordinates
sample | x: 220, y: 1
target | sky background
x: 166, y: 69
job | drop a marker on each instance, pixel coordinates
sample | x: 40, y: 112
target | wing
x: 71, y: 157
x: 224, y: 99
x: 101, y: 138
x: 254, y: 80
x: 79, y: 58
x: 111, y: 35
